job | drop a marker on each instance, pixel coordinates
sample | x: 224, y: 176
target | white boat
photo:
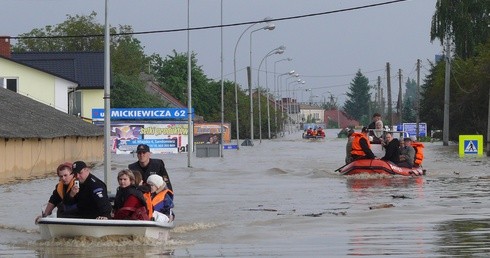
x: 67, y: 227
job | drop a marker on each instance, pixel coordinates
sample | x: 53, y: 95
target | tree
x: 463, y: 22
x: 358, y: 102
x: 82, y: 33
x: 129, y: 91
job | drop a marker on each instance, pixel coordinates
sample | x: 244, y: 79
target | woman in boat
x: 129, y: 202
x: 392, y: 149
x: 161, y: 199
x: 145, y: 189
x: 377, y: 133
x: 61, y: 192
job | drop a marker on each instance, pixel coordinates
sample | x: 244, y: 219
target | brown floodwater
x: 282, y: 197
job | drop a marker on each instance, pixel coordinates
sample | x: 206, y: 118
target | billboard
x: 210, y: 133
x: 161, y: 137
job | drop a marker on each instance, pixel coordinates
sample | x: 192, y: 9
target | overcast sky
x: 327, y: 50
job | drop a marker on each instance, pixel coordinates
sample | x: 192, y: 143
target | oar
x: 338, y: 169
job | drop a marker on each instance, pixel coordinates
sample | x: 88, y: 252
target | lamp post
x: 275, y: 99
x: 290, y: 104
x: 288, y: 99
x: 279, y: 51
x: 279, y: 94
x: 296, y: 106
x: 267, y: 27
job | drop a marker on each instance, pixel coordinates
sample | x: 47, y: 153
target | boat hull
x: 377, y: 166
x: 68, y: 227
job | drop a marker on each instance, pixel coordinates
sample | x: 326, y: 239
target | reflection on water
x: 464, y: 237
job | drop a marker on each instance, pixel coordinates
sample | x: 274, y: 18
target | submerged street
x: 282, y: 197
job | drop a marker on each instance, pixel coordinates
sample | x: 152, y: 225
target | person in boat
x: 419, y: 153
x: 376, y: 117
x: 320, y: 132
x: 129, y: 202
x: 91, y: 197
x: 392, y: 149
x: 148, y: 166
x: 161, y: 199
x: 361, y: 148
x: 61, y: 192
x: 407, y: 154
x: 145, y: 189
x: 309, y: 132
x: 348, y: 146
x: 377, y: 133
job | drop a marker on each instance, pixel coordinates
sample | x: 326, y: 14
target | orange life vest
x: 59, y: 188
x: 419, y: 153
x: 159, y: 198
x: 149, y: 205
x: 356, y: 145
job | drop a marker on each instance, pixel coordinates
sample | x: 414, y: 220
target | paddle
x: 338, y: 169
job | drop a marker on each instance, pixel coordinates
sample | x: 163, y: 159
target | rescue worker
x: 91, y: 197
x: 148, y: 166
x: 361, y: 148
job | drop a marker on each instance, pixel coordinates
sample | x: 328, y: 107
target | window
x: 9, y: 83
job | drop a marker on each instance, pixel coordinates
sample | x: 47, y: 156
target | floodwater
x: 283, y: 198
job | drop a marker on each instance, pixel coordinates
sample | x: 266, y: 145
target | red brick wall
x: 5, y: 46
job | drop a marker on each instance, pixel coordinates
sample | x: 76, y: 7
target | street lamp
x: 274, y: 94
x: 279, y: 51
x: 288, y: 103
x: 268, y: 26
x: 279, y: 95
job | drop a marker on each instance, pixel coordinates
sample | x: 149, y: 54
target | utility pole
x: 445, y: 131
x: 400, y: 97
x: 378, y: 99
x: 417, y: 104
x: 388, y: 92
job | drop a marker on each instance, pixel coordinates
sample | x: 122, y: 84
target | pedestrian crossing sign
x: 470, y: 145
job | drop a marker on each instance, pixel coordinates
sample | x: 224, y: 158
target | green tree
x: 129, y: 91
x: 359, y: 98
x: 82, y: 33
x: 464, y: 22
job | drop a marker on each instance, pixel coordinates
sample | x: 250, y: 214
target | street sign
x: 471, y: 145
x: 411, y: 129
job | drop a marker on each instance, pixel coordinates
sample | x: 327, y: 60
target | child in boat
x: 161, y: 199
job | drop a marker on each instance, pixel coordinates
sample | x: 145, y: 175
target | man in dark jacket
x: 392, y: 149
x: 91, y: 197
x: 148, y: 166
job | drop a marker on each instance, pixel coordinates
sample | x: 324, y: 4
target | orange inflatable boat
x: 377, y: 166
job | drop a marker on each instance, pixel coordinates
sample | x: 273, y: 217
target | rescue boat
x: 67, y: 227
x: 377, y: 166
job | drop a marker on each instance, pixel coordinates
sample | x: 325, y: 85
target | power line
x: 216, y: 26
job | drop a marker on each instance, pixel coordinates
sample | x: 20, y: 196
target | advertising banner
x: 161, y: 137
x: 210, y: 133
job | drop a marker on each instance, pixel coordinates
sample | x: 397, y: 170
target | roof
x: 86, y: 68
x: 164, y: 95
x: 22, y: 117
x: 39, y: 69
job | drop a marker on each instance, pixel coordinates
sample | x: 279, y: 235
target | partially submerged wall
x: 22, y: 158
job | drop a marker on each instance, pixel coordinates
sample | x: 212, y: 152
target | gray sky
x: 327, y: 50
